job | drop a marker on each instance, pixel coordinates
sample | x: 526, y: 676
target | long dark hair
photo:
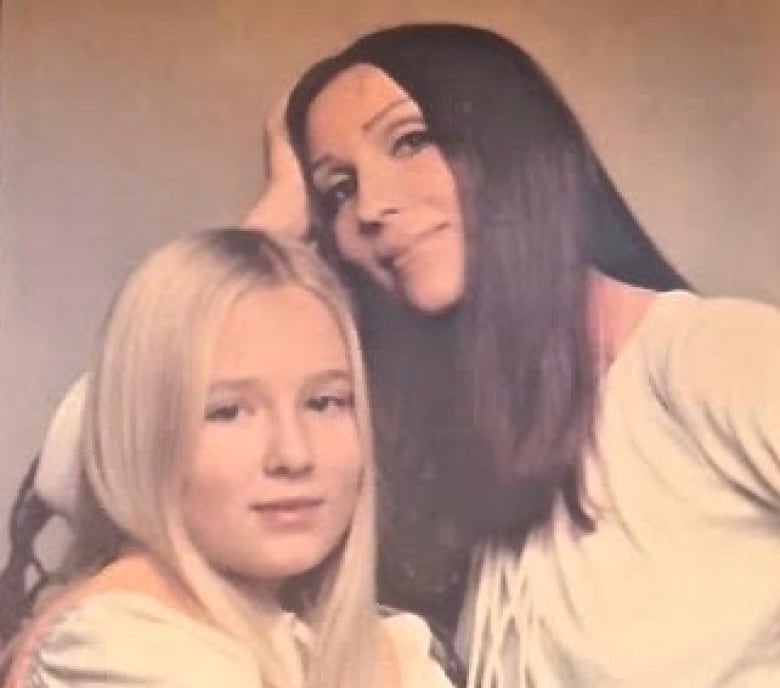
x: 496, y: 398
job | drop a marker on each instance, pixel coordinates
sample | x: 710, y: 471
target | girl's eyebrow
x: 332, y: 375
x: 232, y: 385
x: 249, y: 384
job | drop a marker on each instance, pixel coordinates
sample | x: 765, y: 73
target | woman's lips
x: 401, y: 258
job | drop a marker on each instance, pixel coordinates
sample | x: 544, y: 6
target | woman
x: 225, y: 534
x: 609, y: 440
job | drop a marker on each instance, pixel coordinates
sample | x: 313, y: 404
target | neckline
x: 656, y: 311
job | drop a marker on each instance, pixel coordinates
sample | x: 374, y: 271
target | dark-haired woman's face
x: 387, y: 188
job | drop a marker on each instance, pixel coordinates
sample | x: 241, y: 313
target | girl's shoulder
x: 101, y: 632
x: 420, y: 657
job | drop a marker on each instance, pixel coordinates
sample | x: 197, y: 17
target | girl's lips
x: 288, y: 504
x: 294, y: 512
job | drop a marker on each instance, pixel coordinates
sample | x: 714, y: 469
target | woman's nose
x: 289, y: 453
x: 376, y: 204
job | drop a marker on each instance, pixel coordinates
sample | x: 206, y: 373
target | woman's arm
x: 282, y: 206
x: 722, y: 382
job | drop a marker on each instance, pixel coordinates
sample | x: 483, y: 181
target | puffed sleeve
x: 412, y: 644
x: 126, y: 640
x: 722, y: 376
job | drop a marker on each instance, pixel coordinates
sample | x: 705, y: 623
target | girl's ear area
x: 283, y: 205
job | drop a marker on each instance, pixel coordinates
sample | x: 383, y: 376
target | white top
x: 679, y: 584
x: 119, y: 637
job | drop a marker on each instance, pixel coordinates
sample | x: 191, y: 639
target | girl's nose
x: 370, y: 229
x: 288, y: 453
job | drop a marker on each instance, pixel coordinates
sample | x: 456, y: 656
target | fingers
x: 283, y: 204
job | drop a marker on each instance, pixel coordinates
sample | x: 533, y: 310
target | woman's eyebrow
x: 378, y: 116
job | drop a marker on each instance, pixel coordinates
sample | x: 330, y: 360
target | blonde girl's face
x: 273, y: 484
x: 386, y: 188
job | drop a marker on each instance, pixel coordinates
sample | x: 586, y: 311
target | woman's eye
x: 337, y: 193
x: 410, y: 142
x: 222, y: 413
x: 330, y: 403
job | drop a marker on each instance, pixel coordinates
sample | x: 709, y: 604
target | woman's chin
x: 432, y: 297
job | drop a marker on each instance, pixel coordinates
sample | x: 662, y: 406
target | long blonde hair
x: 144, y: 406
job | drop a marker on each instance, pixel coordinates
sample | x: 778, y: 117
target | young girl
x: 225, y: 534
x: 605, y: 443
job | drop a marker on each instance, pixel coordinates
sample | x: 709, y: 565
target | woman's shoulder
x: 417, y: 652
x: 714, y: 369
x: 692, y: 339
x: 691, y: 318
x: 99, y: 635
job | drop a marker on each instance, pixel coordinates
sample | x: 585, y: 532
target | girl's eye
x: 409, y: 143
x: 330, y: 403
x: 222, y: 413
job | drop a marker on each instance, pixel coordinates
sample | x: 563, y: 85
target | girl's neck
x: 616, y: 310
x: 263, y: 596
x: 137, y: 570
x: 140, y: 571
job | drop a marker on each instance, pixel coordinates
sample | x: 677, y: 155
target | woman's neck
x: 616, y: 310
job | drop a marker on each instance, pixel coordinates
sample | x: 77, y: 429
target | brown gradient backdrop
x: 126, y: 122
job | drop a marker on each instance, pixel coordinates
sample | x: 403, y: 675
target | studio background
x: 124, y: 123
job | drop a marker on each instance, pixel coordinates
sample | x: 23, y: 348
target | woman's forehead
x: 362, y: 93
x: 362, y: 84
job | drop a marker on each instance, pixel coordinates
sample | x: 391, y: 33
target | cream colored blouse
x: 127, y: 638
x: 678, y: 585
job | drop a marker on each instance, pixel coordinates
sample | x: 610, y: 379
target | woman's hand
x: 283, y: 205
